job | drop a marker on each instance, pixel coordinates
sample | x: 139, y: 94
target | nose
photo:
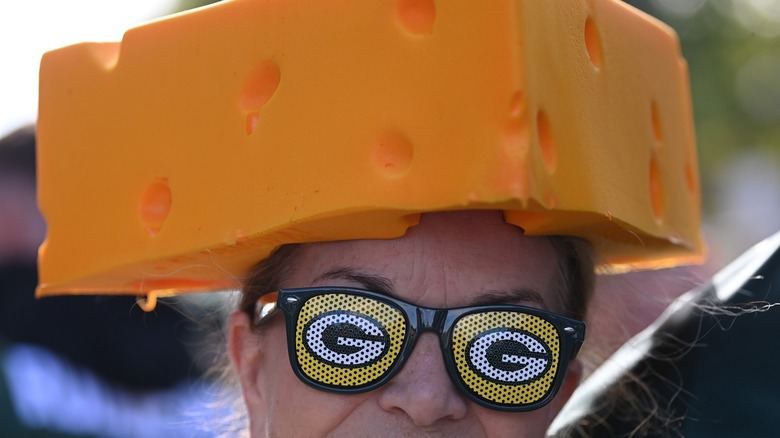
x: 423, y: 390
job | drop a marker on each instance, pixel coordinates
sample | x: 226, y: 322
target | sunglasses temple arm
x: 578, y: 337
x: 266, y: 307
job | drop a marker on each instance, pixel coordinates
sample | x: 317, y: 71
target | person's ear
x: 245, y: 356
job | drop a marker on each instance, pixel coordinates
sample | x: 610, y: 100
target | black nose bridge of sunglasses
x: 431, y: 319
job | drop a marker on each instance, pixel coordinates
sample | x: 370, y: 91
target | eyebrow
x: 383, y: 285
x: 518, y: 296
x: 375, y: 283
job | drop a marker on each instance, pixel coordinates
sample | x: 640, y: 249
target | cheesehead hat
x: 174, y: 160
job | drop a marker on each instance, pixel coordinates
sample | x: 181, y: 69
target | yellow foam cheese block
x: 176, y: 159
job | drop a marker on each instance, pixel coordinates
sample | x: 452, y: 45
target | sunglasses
x: 345, y: 340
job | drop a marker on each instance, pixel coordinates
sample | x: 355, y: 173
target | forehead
x: 449, y: 259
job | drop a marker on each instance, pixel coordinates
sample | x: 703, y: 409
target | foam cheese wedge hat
x: 176, y: 159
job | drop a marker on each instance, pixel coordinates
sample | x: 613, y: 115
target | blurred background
x: 142, y: 373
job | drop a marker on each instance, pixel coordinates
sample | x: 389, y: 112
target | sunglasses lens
x: 345, y: 341
x: 506, y: 358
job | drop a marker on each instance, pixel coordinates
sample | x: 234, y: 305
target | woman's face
x: 449, y: 260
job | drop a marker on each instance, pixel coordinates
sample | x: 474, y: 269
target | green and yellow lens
x: 346, y: 341
x: 506, y: 357
x: 503, y: 357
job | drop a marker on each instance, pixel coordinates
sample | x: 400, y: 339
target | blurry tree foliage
x: 183, y: 5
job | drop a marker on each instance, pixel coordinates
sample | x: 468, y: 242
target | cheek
x: 514, y: 424
x: 288, y: 400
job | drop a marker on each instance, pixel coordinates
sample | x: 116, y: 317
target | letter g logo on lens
x: 508, y: 356
x: 346, y: 339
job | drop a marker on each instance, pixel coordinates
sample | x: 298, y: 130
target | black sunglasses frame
x: 419, y: 319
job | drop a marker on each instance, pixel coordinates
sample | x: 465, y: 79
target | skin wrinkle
x: 519, y: 296
x: 366, y: 280
x: 385, y: 286
x: 443, y: 262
